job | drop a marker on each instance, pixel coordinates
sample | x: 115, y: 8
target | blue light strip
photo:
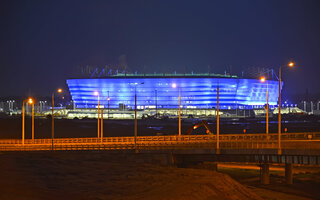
x: 195, y: 92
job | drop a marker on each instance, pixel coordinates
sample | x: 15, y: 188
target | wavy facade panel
x: 195, y: 92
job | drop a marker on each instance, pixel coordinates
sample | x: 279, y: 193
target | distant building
x: 312, y: 107
x: 8, y: 106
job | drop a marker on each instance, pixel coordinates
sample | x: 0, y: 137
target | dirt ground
x: 306, y: 181
x: 101, y: 175
x: 10, y: 128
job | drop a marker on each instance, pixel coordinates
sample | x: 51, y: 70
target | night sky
x: 43, y: 42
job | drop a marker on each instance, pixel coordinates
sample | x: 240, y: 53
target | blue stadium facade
x: 197, y: 91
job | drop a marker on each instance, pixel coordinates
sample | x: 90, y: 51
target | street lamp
x: 263, y: 79
x: 135, y: 117
x: 30, y: 101
x: 52, y: 117
x: 32, y: 119
x: 101, y: 131
x: 97, y: 94
x: 108, y: 104
x: 174, y: 85
x: 218, y: 120
x: 290, y: 64
x: 156, y: 101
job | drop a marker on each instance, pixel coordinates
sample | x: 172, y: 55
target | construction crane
x: 197, y: 125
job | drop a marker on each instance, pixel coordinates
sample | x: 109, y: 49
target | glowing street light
x: 263, y: 79
x: 30, y: 101
x: 174, y: 85
x: 52, y: 117
x: 290, y: 64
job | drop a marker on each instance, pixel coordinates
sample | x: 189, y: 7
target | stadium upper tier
x: 197, y: 91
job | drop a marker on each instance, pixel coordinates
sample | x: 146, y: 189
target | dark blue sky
x: 42, y: 42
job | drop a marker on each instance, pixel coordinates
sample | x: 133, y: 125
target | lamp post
x: 156, y: 101
x: 135, y: 117
x: 135, y: 120
x: 98, y: 124
x: 179, y: 111
x: 30, y: 101
x: 108, y: 104
x: 101, y: 124
x: 263, y: 79
x: 290, y: 64
x: 174, y: 85
x: 52, y: 118
x: 32, y: 119
x: 22, y: 123
x: 218, y: 120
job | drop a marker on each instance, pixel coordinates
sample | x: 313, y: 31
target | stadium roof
x: 164, y: 75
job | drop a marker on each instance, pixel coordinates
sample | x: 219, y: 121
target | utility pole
x: 23, y: 123
x: 98, y: 118
x: 179, y: 111
x: 156, y: 96
x: 32, y: 122
x: 279, y: 116
x: 135, y: 121
x: 101, y: 124
x: 218, y: 122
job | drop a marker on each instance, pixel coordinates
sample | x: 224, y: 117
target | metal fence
x: 303, y: 141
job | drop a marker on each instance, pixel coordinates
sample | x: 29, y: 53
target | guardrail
x: 223, y: 138
x: 304, y: 141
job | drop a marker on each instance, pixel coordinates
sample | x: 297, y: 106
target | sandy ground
x: 11, y: 127
x: 101, y: 175
x: 306, y: 181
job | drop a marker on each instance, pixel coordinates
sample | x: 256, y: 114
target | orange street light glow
x: 108, y: 99
x: 30, y: 101
x: 262, y: 79
x: 59, y: 90
x: 291, y: 64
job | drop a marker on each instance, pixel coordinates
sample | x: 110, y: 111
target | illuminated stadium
x: 198, y: 91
